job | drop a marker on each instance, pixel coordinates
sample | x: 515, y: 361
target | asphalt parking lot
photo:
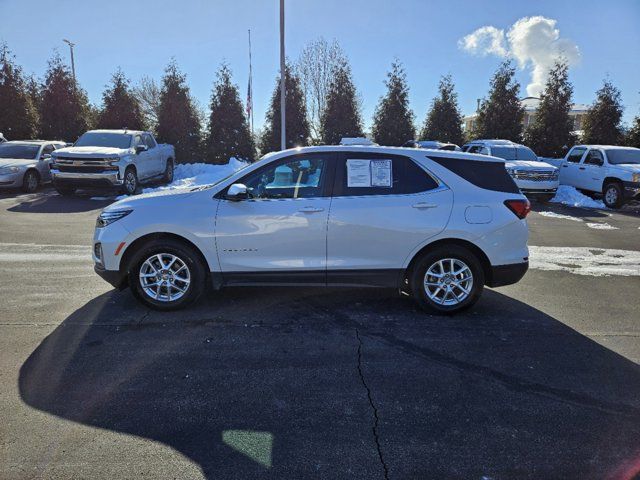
x: 539, y: 380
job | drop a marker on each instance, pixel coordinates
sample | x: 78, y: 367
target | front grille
x: 535, y: 176
x: 83, y: 160
x: 82, y: 168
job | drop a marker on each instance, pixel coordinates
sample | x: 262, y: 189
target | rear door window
x: 363, y: 173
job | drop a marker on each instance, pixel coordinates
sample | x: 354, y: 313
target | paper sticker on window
x: 358, y: 173
x: 381, y: 175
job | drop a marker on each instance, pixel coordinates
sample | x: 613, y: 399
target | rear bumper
x: 502, y: 275
x: 114, y: 277
x: 94, y: 180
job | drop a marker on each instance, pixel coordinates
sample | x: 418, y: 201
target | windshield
x: 11, y: 150
x: 514, y: 153
x: 103, y: 139
x: 619, y: 156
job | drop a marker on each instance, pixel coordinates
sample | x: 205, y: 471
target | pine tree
x: 393, y: 119
x: 633, y: 135
x: 297, y: 126
x: 65, y: 112
x: 501, y: 115
x: 18, y: 115
x: 341, y: 116
x: 178, y: 119
x: 602, y: 121
x: 228, y: 134
x: 121, y: 108
x: 550, y: 134
x: 444, y: 120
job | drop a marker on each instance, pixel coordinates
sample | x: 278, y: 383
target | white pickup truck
x: 112, y: 158
x: 609, y: 170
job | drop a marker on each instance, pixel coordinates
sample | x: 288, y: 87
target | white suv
x: 535, y: 178
x: 437, y: 224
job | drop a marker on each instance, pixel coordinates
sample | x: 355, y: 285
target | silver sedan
x: 25, y: 164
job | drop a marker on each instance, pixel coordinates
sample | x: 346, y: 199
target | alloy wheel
x: 164, y: 277
x: 448, y: 281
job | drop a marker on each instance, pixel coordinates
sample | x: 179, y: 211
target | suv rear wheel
x: 447, y: 280
x: 167, y: 275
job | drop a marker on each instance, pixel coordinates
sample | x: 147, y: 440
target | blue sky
x: 141, y: 36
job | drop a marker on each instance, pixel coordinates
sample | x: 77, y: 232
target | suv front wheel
x: 447, y: 280
x: 167, y: 275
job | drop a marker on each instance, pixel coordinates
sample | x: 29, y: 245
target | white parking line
x: 31, y: 252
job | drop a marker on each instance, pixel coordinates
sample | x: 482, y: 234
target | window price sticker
x: 381, y: 175
x: 369, y: 173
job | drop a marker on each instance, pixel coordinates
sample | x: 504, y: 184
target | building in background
x: 530, y: 104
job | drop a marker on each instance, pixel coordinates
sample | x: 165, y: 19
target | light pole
x: 283, y: 102
x: 73, y: 65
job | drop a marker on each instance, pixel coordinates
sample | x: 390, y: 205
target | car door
x: 156, y: 165
x: 592, y: 171
x: 279, y: 233
x: 569, y: 173
x: 44, y: 162
x: 142, y: 159
x: 379, y: 217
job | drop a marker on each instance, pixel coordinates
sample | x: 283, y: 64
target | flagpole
x: 250, y: 99
x: 283, y: 122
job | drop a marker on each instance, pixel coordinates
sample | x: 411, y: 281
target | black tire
x: 168, y: 172
x: 459, y: 254
x: 64, y: 191
x: 30, y: 181
x: 130, y: 185
x: 196, y: 273
x: 613, y: 195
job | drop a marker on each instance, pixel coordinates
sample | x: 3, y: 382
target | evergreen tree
x: 18, y: 115
x: 121, y: 108
x: 64, y: 112
x: 393, y: 119
x: 550, y: 134
x: 633, y: 135
x: 297, y: 126
x: 444, y: 120
x: 602, y: 121
x: 228, y: 134
x: 341, y: 117
x: 501, y: 115
x: 178, y: 120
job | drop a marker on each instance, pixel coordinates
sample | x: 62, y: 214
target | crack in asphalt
x: 376, y: 438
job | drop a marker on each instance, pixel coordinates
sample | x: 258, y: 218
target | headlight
x: 635, y: 177
x: 107, y: 218
x: 6, y: 170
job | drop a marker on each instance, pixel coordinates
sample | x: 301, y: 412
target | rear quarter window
x: 487, y: 175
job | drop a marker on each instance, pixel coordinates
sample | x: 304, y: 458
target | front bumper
x: 11, y: 180
x: 114, y: 277
x: 539, y: 192
x: 502, y: 275
x: 106, y: 179
x: 631, y: 190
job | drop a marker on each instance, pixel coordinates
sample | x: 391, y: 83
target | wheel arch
x: 610, y: 180
x: 139, y: 242
x: 34, y: 170
x: 473, y: 248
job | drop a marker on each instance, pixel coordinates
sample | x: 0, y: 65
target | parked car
x: 25, y: 164
x: 2, y: 139
x: 609, y: 170
x: 439, y: 225
x: 535, y: 178
x: 432, y: 145
x: 112, y: 158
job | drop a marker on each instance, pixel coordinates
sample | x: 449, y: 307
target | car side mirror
x: 237, y: 192
x: 45, y: 156
x: 141, y: 148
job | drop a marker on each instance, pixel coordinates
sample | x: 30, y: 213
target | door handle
x: 424, y: 205
x: 311, y: 209
x: 581, y: 168
x: 565, y: 166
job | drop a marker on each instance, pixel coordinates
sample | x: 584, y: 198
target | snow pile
x: 570, y: 196
x: 596, y: 262
x: 195, y: 174
x: 601, y: 226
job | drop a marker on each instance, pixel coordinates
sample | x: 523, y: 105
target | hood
x: 152, y: 199
x: 91, y: 152
x: 15, y: 162
x: 529, y: 164
x: 627, y: 167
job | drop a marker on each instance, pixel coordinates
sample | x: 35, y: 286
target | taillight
x: 521, y: 208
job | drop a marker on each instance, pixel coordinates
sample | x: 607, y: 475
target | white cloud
x: 534, y: 42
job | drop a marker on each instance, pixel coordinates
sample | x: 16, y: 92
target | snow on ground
x: 596, y: 262
x: 570, y: 196
x: 188, y: 175
x: 601, y: 226
x: 559, y: 215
